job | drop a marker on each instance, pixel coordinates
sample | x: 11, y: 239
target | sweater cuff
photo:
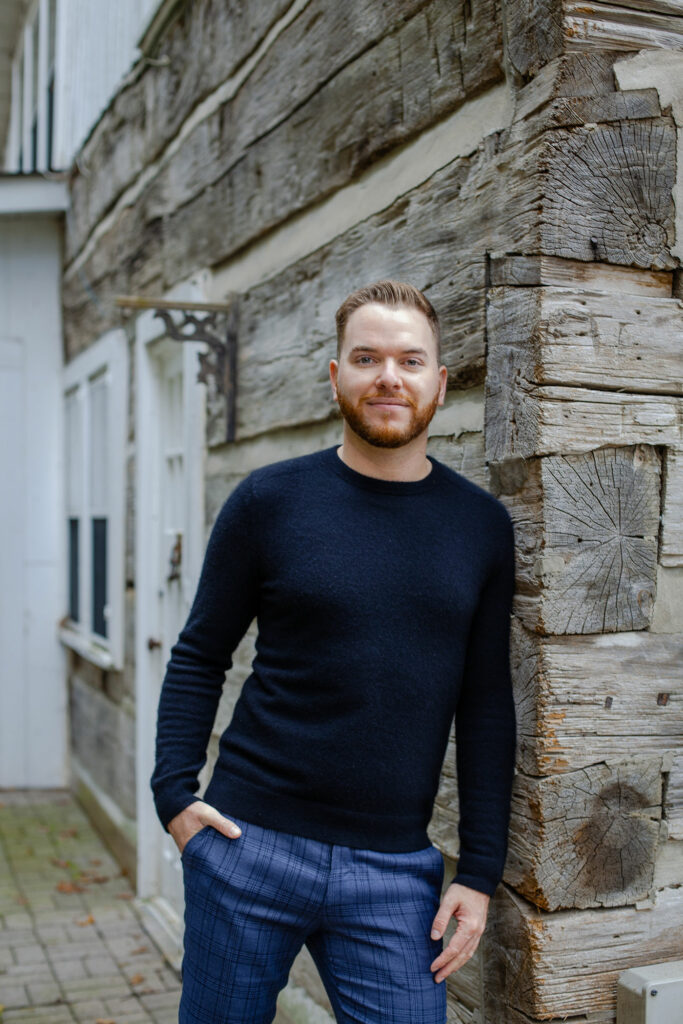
x: 168, y: 805
x: 485, y: 885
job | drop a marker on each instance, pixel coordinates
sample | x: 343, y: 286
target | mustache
x: 397, y: 398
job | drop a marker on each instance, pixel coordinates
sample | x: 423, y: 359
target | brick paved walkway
x: 72, y: 947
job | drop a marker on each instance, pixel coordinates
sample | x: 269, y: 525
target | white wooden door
x: 169, y: 510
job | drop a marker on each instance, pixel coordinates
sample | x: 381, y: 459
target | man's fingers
x: 453, y: 957
x: 210, y: 816
x: 462, y: 939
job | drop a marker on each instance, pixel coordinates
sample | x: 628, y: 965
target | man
x: 382, y: 584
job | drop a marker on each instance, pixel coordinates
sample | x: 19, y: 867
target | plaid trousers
x: 251, y: 903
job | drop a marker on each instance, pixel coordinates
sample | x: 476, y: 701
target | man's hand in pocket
x: 193, y: 819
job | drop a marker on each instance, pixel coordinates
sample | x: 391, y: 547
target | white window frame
x: 108, y: 355
x: 24, y: 105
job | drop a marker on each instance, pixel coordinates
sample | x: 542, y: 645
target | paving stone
x: 39, y: 1015
x: 14, y: 995
x: 71, y: 957
x: 40, y: 992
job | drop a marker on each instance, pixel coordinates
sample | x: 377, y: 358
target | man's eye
x: 361, y: 358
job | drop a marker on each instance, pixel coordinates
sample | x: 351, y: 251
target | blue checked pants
x: 251, y: 903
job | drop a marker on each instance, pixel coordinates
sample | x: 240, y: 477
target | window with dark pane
x: 98, y: 498
x: 74, y: 500
x: 99, y: 576
x: 74, y: 613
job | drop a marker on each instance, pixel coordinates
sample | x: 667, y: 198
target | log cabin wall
x: 519, y: 162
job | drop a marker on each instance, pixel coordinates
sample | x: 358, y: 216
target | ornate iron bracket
x: 216, y: 325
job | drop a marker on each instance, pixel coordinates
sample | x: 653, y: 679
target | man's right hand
x: 194, y: 818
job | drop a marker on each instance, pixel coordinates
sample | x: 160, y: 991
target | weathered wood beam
x: 673, y: 798
x: 622, y: 26
x: 286, y: 138
x: 537, y: 31
x: 590, y: 194
x: 586, y: 528
x: 582, y: 338
x: 532, y: 271
x: 565, y: 964
x: 587, y: 838
x: 671, y: 546
x: 551, y: 419
x: 581, y: 700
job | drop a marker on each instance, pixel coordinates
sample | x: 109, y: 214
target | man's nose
x: 388, y: 375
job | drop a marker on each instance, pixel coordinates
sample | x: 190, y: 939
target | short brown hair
x: 388, y: 293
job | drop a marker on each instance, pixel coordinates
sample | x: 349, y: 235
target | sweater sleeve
x: 485, y: 730
x: 224, y: 605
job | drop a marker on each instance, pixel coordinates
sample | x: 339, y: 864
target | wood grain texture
x: 539, y: 30
x: 204, y: 47
x: 671, y: 539
x: 626, y: 25
x: 587, y: 838
x: 543, y: 420
x: 504, y: 198
x: 592, y: 339
x: 532, y: 271
x: 626, y: 169
x: 582, y: 700
x: 340, y: 86
x: 673, y: 798
x: 566, y: 964
x: 586, y: 532
x: 570, y: 75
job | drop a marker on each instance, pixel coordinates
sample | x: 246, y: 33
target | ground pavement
x: 72, y: 947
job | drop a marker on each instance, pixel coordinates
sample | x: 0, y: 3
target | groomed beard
x: 388, y: 434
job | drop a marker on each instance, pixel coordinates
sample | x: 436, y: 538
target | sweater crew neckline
x: 378, y: 484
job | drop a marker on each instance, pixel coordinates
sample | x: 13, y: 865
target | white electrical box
x: 651, y: 995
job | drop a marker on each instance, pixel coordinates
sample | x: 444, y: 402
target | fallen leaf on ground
x: 140, y: 949
x: 124, y: 895
x: 95, y: 861
x: 105, y: 1020
x: 68, y: 833
x: 137, y: 979
x: 69, y: 887
x: 87, y: 920
x: 59, y: 862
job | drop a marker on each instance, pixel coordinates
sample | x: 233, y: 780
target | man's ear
x: 334, y: 370
x: 443, y: 375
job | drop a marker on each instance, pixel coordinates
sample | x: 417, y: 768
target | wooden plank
x: 427, y: 71
x: 628, y: 169
x: 622, y: 26
x: 572, y: 111
x: 587, y: 838
x: 258, y: 144
x: 586, y: 699
x: 569, y: 75
x: 530, y: 271
x: 534, y: 34
x: 548, y: 419
x: 584, y: 338
x: 498, y: 200
x: 567, y: 963
x: 586, y: 532
x: 671, y: 546
x: 207, y: 46
x: 673, y: 797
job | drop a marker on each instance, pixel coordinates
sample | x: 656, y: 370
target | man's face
x: 387, y: 381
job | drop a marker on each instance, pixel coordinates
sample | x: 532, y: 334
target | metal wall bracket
x: 214, y: 324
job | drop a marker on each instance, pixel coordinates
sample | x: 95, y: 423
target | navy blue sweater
x: 383, y: 610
